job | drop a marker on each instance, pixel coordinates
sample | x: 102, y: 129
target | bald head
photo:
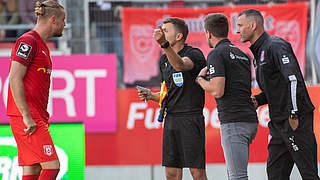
x: 253, y: 15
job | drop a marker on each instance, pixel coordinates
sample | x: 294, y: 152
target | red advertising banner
x: 139, y: 136
x: 141, y: 52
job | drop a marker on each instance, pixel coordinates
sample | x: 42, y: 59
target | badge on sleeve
x: 178, y: 79
x: 24, y: 50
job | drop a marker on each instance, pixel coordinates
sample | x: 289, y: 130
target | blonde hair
x: 47, y: 8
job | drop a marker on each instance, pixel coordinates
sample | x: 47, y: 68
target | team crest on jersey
x: 262, y: 56
x: 47, y: 150
x: 24, y: 50
x: 178, y: 78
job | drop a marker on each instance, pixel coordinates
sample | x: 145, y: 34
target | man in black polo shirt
x: 229, y: 80
x: 184, y: 129
x: 292, y: 139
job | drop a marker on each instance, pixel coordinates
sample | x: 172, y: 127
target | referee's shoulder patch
x: 24, y: 50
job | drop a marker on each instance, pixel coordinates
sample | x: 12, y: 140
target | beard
x: 58, y: 33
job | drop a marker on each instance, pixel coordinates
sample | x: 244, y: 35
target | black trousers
x: 287, y: 147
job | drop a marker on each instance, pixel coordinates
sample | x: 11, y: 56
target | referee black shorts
x: 184, y: 141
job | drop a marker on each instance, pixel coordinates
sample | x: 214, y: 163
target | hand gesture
x: 31, y: 125
x: 204, y: 72
x: 159, y: 36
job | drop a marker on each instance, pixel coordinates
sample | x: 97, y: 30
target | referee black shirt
x: 185, y: 97
x: 226, y: 60
x: 279, y: 78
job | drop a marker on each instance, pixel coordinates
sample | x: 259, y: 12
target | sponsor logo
x: 178, y: 78
x: 44, y: 70
x: 211, y: 70
x: 285, y: 59
x: 142, y: 112
x: 293, y: 144
x: 24, y: 50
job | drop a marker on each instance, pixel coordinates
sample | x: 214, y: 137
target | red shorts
x: 35, y: 148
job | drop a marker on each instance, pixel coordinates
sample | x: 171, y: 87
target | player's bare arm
x: 17, y: 74
x: 214, y: 86
x: 177, y: 62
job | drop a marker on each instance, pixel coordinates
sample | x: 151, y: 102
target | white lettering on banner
x: 133, y: 114
x: 90, y: 76
x: 146, y: 114
x: 195, y: 24
x: 64, y: 93
x: 5, y: 164
x: 233, y: 22
x: 268, y: 23
x: 150, y: 122
x: 4, y: 88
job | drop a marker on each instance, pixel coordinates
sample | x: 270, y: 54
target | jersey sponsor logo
x: 211, y: 70
x: 285, y: 59
x: 178, y: 78
x: 234, y: 56
x: 24, y: 50
x: 47, y: 150
x: 48, y: 71
x: 293, y: 144
x: 262, y: 56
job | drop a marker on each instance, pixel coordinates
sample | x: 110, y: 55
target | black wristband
x: 165, y: 45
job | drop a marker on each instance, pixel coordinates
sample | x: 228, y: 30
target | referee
x: 292, y: 138
x: 229, y: 81
x: 184, y: 129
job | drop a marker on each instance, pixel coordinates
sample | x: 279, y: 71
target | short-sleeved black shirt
x: 184, y: 95
x: 228, y: 61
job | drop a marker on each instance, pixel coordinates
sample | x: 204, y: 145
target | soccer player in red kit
x: 29, y: 84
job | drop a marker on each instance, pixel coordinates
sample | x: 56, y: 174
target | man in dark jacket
x: 292, y: 138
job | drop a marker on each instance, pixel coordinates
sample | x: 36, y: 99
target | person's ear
x: 209, y: 34
x: 253, y: 25
x: 52, y: 19
x: 179, y: 36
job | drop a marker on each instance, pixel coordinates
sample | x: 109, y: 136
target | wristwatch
x: 165, y: 45
x: 293, y: 115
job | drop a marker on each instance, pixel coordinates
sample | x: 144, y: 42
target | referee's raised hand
x: 159, y: 36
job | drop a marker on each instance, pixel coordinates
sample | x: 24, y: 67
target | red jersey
x: 31, y: 51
